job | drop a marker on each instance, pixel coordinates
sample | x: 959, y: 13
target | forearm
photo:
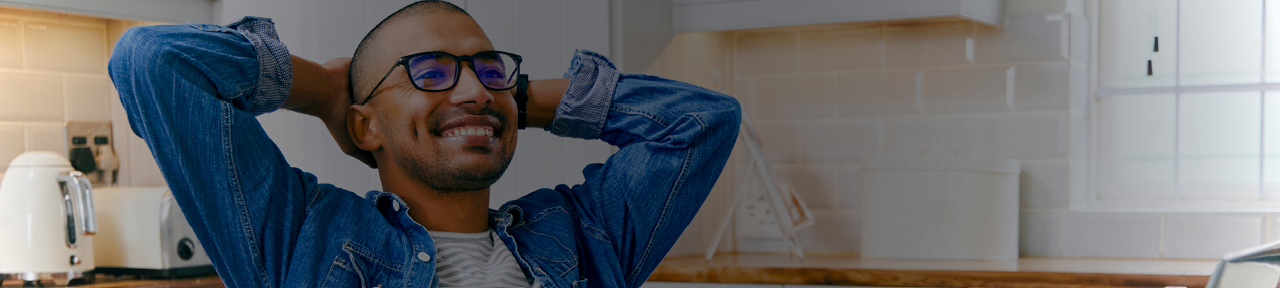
x: 544, y: 97
x: 311, y: 90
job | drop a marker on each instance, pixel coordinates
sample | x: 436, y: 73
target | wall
x: 824, y: 97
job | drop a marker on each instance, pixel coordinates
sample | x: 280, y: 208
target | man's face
x: 442, y: 139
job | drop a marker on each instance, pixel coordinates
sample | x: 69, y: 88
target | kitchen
x: 830, y: 86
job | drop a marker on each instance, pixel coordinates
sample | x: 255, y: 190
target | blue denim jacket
x: 192, y: 92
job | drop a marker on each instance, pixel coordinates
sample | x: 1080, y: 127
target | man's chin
x: 462, y: 181
x: 464, y: 172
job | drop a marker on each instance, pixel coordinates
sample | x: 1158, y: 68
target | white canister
x: 940, y: 208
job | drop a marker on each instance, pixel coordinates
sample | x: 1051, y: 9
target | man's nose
x: 469, y: 90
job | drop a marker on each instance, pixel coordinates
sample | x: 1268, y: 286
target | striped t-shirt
x: 476, y: 260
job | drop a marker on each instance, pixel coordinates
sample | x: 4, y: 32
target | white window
x: 1187, y: 106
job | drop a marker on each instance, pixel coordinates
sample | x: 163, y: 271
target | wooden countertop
x: 104, y: 281
x: 850, y: 270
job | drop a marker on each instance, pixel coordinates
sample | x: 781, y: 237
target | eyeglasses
x: 438, y: 71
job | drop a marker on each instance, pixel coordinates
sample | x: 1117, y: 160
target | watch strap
x: 522, y: 99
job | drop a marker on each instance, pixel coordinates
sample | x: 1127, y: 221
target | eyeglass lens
x: 438, y: 71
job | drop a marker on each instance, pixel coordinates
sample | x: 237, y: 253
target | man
x: 440, y: 126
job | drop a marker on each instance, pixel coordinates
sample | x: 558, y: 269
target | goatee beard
x: 441, y: 171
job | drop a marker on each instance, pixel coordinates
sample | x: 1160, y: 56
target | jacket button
x: 424, y: 257
x: 395, y: 205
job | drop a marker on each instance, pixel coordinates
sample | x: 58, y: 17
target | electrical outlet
x: 89, y: 135
x: 755, y: 218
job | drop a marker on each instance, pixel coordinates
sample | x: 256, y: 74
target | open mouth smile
x: 472, y: 130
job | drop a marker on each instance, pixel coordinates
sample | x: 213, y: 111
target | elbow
x: 728, y: 111
x: 135, y: 52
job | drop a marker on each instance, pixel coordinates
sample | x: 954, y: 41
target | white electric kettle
x: 46, y: 221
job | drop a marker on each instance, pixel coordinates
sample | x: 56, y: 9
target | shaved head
x: 365, y: 74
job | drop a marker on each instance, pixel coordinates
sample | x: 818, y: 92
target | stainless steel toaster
x: 143, y: 233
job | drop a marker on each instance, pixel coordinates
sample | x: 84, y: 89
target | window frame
x: 1088, y: 199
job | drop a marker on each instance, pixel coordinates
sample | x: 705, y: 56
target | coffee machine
x: 47, y: 221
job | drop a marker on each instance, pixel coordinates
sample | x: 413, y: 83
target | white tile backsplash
x: 1039, y: 234
x: 876, y: 93
x: 1043, y: 185
x: 796, y: 97
x: 834, y: 231
x: 1127, y: 235
x: 142, y: 172
x: 744, y: 89
x: 1202, y: 236
x: 772, y: 53
x: 927, y: 44
x: 778, y: 141
x: 31, y: 97
x: 845, y: 48
x: 1025, y: 37
x: 12, y: 143
x: 1021, y: 137
x: 911, y: 137
x: 57, y: 46
x: 970, y: 90
x: 47, y: 137
x: 86, y: 97
x: 837, y: 142
x: 833, y: 186
x: 10, y: 43
x: 1042, y: 86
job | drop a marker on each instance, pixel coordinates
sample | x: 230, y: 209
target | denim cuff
x: 275, y: 69
x: 585, y: 104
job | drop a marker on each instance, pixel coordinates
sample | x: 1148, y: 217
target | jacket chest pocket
x: 550, y: 237
x: 357, y: 267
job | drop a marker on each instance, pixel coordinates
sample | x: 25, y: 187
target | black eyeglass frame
x: 404, y: 61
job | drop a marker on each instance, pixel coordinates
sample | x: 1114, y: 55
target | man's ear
x: 362, y: 125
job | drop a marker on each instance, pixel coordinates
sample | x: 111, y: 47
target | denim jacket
x: 192, y: 93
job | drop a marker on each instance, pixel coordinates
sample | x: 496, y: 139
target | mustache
x: 443, y: 116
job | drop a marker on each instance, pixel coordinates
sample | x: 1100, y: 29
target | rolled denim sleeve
x: 192, y: 91
x: 275, y: 69
x: 585, y: 104
x: 674, y: 139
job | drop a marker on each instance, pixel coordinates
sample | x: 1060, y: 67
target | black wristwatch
x: 522, y: 99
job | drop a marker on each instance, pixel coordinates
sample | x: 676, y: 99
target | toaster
x: 143, y: 233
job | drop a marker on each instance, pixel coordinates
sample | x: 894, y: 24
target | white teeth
x: 469, y: 131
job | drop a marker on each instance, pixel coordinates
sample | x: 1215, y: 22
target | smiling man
x: 429, y: 102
